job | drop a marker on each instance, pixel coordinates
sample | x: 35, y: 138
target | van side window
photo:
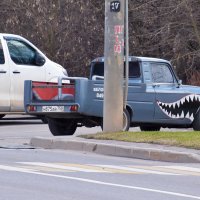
x: 134, y: 70
x: 161, y: 73
x: 2, y: 59
x: 21, y: 53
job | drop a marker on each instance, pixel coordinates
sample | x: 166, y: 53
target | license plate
x: 52, y: 108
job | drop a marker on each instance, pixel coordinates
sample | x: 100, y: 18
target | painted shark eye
x: 186, y: 107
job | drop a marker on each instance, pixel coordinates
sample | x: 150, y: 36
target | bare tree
x: 72, y: 32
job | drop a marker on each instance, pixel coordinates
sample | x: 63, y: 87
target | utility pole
x: 114, y: 66
x: 126, y: 55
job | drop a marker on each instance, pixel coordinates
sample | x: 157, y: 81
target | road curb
x: 116, y: 150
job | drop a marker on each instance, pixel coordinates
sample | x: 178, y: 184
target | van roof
x: 136, y: 58
x: 10, y: 35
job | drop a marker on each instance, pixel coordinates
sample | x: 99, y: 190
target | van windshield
x: 2, y: 59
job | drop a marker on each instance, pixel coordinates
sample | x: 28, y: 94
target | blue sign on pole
x: 115, y: 6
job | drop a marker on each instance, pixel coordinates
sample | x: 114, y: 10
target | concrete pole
x: 126, y: 55
x: 114, y: 66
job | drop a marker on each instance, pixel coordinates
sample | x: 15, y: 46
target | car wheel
x: 126, y: 120
x: 1, y: 116
x: 61, y: 127
x: 196, y: 122
x: 150, y: 128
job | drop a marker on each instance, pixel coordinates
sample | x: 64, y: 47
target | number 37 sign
x: 115, y: 6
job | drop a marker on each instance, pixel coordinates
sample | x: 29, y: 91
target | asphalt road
x: 38, y: 174
x: 43, y: 174
x: 19, y: 129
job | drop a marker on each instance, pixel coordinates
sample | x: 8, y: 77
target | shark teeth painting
x: 186, y: 107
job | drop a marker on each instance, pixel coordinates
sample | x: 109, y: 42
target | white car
x: 20, y: 60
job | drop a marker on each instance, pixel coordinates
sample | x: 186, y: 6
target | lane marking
x: 173, y: 170
x: 58, y: 166
x: 18, y: 169
x: 93, y: 168
x: 99, y: 168
x: 8, y: 168
x: 77, y: 167
x: 44, y: 169
x: 86, y: 166
x: 170, y: 169
x: 182, y: 168
x: 133, y: 169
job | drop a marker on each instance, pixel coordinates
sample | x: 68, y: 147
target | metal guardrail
x: 96, y: 77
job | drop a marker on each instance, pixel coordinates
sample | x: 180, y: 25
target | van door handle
x: 16, y: 72
x: 3, y: 72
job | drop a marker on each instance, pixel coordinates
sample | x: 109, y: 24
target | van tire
x: 61, y: 127
x: 126, y: 120
x: 44, y: 119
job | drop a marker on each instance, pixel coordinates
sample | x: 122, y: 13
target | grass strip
x: 188, y: 139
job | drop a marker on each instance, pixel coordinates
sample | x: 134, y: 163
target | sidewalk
x: 120, y: 149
